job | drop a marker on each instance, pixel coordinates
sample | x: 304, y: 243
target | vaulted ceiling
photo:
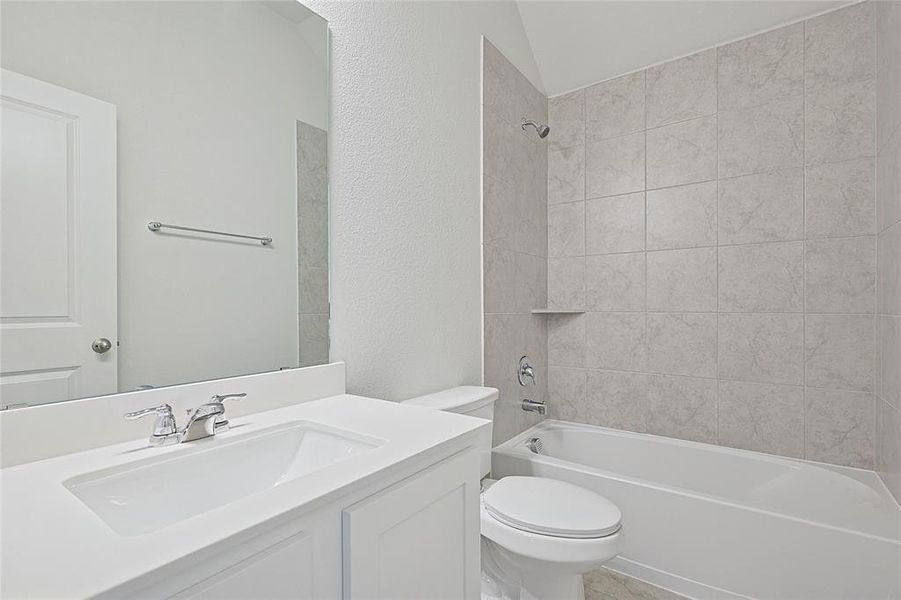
x: 579, y: 42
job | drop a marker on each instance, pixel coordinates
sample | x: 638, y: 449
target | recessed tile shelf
x: 557, y: 311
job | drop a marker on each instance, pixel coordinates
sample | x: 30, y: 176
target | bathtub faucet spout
x: 534, y: 406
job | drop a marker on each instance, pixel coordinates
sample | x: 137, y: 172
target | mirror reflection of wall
x: 202, y: 114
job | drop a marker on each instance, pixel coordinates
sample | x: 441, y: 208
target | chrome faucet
x: 206, y: 420
x: 534, y: 406
x: 525, y: 372
x: 202, y: 421
x: 221, y: 423
x: 165, y: 432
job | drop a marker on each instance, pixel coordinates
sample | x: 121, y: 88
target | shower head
x: 541, y: 128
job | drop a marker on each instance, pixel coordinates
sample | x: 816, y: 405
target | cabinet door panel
x: 419, y: 539
x: 281, y: 571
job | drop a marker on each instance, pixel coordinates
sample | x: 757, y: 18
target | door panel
x: 57, y: 243
x: 38, y: 200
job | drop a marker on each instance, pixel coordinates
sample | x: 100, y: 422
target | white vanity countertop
x: 53, y: 545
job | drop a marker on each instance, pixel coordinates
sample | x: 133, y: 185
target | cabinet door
x: 284, y: 570
x: 418, y: 539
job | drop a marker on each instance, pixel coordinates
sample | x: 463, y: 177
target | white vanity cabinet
x: 389, y: 509
x: 417, y: 539
x: 285, y: 570
x: 297, y: 558
x: 413, y: 536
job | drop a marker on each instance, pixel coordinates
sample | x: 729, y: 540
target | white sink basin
x: 150, y: 494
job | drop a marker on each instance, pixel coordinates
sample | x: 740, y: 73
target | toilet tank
x: 469, y: 400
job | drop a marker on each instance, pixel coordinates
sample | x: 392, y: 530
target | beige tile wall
x: 312, y: 244
x: 514, y: 243
x: 715, y: 215
x: 888, y: 244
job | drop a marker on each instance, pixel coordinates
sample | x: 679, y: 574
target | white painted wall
x: 207, y: 94
x: 405, y: 188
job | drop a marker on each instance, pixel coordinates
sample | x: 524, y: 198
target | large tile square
x: 762, y: 138
x: 682, y: 153
x: 764, y: 207
x: 839, y: 352
x: 840, y: 427
x: 566, y: 174
x: 616, y: 166
x: 682, y: 407
x: 840, y: 275
x: 682, y: 217
x: 566, y: 282
x: 840, y: 122
x: 565, y: 341
x: 766, y: 348
x: 615, y: 107
x: 682, y: 89
x: 839, y: 46
x: 615, y: 282
x: 616, y: 341
x: 682, y: 280
x: 762, y: 68
x: 840, y: 199
x: 761, y: 277
x: 762, y: 417
x: 615, y: 224
x: 682, y: 344
x: 617, y: 399
x: 566, y: 118
x: 566, y: 229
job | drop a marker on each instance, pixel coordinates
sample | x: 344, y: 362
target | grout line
x: 804, y: 415
x: 645, y: 126
x: 799, y: 167
x: 878, y: 374
x: 645, y: 409
x: 738, y: 245
x: 726, y: 380
x: 716, y: 350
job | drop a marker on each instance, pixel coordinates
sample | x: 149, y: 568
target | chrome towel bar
x: 156, y: 226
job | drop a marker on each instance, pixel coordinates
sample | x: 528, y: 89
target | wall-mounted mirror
x: 164, y: 194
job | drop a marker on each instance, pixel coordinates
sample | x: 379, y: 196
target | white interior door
x: 57, y: 243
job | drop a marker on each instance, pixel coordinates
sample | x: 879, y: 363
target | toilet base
x: 564, y: 587
x: 569, y: 587
x: 507, y: 576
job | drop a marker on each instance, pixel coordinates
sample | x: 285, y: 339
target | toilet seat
x: 549, y: 548
x: 550, y: 507
x: 576, y: 551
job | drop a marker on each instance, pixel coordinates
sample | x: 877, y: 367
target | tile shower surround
x: 715, y: 215
x: 514, y: 240
x: 312, y: 244
x: 888, y: 244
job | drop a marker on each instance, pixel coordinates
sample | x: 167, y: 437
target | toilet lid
x: 551, y: 507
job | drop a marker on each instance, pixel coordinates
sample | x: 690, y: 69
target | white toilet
x: 539, y: 535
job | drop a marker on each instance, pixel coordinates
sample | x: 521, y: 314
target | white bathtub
x: 716, y: 523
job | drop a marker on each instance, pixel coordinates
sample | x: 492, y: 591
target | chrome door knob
x: 101, y: 345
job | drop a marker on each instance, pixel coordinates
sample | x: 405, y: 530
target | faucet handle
x: 220, y: 398
x: 220, y: 423
x: 165, y: 431
x: 525, y: 372
x: 162, y: 410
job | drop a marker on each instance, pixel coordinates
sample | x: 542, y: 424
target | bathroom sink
x: 150, y: 494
